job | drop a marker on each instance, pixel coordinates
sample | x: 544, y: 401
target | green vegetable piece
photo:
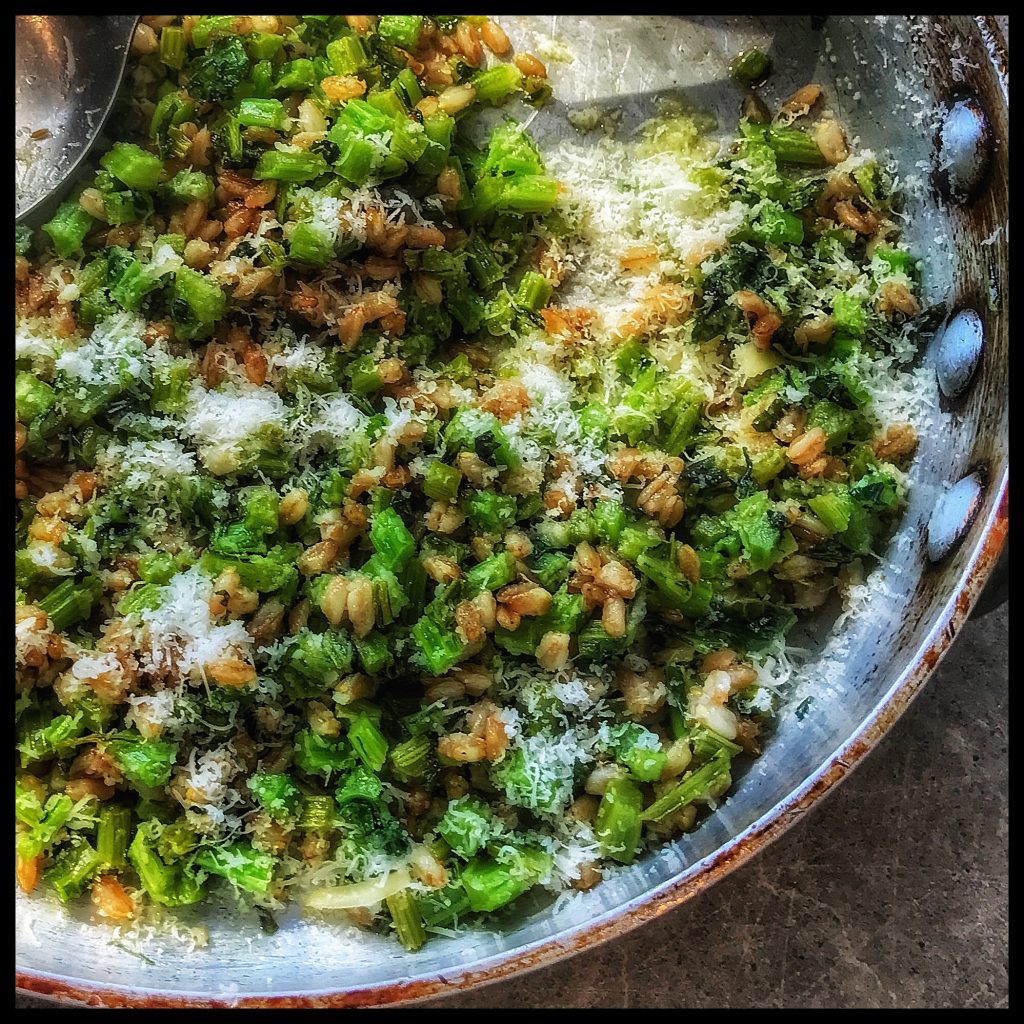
x: 466, y: 826
x: 618, y: 823
x: 400, y: 29
x: 405, y: 915
x: 609, y: 520
x: 673, y: 587
x: 69, y: 602
x: 296, y: 76
x: 368, y: 742
x: 210, y: 27
x: 348, y: 55
x: 359, y: 784
x: 262, y: 113
x: 188, y: 186
x: 169, y: 886
x: 54, y: 737
x: 313, y: 662
x: 32, y: 397
x: 144, y: 762
x: 489, y: 511
x: 133, y: 166
x: 443, y: 907
x: 44, y: 820
x: 374, y: 653
x: 774, y: 226
x: 316, y: 814
x: 22, y: 239
x: 835, y: 421
x: 867, y: 177
x: 497, y: 84
x: 695, y: 786
x: 215, y: 74
x: 441, y: 482
x: 112, y: 834
x: 849, y: 314
x: 177, y: 839
x: 73, y: 869
x: 875, y: 489
x: 264, y: 46
x: 750, y: 66
x: 760, y: 529
x: 240, y: 864
x: 173, y: 47
x: 198, y: 304
x: 491, y: 885
x: 708, y: 744
x: 276, y: 794
x: 391, y: 540
x: 639, y: 750
x: 793, y: 146
x: 551, y: 570
x: 406, y: 85
x: 68, y: 228
x: 834, y: 509
x: 439, y: 649
x: 310, y: 245
x: 411, y: 759
x: 895, y: 261
x: 276, y: 165
x: 534, y: 291
x: 316, y: 755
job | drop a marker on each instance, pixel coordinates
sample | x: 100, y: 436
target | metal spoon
x: 67, y: 69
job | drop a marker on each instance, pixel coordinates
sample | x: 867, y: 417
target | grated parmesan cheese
x: 220, y: 421
x: 181, y: 636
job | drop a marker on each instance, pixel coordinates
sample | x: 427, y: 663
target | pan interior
x: 874, y: 69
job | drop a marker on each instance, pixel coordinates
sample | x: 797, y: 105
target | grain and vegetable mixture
x: 406, y: 521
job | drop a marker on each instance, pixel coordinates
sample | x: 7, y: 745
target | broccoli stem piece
x: 405, y: 914
x: 71, y: 602
x: 73, y: 868
x: 695, y: 785
x: 112, y: 834
x: 618, y: 823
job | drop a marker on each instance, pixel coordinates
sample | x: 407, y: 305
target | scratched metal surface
x: 635, y: 61
x: 66, y: 70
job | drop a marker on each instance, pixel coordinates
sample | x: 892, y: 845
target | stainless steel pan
x: 934, y: 92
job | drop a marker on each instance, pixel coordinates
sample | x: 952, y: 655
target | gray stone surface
x: 892, y: 893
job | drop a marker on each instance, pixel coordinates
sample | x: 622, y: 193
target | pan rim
x: 917, y: 668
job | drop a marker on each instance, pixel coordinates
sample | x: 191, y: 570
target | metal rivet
x: 965, y: 148
x: 957, y: 351
x: 952, y: 516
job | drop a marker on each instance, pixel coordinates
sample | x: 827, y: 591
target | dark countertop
x: 892, y: 893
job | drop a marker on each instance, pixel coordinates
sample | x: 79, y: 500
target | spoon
x: 67, y: 70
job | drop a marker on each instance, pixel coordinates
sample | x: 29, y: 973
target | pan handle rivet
x: 952, y: 516
x: 957, y: 350
x: 964, y: 149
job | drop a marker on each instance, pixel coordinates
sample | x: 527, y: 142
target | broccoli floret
x: 313, y: 662
x: 276, y: 794
x: 368, y: 826
x: 218, y: 71
x: 467, y: 825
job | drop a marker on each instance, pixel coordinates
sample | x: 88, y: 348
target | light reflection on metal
x: 965, y: 148
x: 952, y: 516
x: 957, y: 351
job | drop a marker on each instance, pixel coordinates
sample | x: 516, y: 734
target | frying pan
x: 933, y: 92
